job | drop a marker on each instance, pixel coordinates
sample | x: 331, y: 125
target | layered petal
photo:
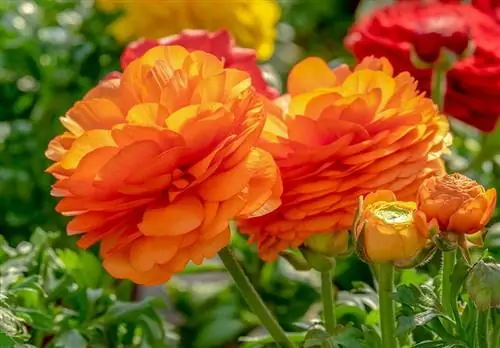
x: 158, y: 160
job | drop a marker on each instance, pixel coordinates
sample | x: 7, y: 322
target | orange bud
x: 457, y: 203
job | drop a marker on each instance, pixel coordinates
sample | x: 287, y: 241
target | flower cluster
x: 344, y: 134
x: 158, y: 159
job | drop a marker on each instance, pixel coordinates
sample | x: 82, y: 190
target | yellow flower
x: 252, y: 22
x: 388, y: 230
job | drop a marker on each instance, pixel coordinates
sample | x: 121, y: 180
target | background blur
x: 53, y: 51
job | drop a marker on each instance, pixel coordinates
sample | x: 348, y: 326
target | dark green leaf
x: 219, y: 332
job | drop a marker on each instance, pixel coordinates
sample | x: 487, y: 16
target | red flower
x: 490, y: 7
x: 219, y: 43
x: 473, y: 83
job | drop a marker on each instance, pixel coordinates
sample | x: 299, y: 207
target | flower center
x: 394, y: 215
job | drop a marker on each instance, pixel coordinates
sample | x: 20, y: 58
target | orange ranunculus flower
x: 388, y: 230
x: 345, y: 133
x: 155, y: 163
x: 457, y: 203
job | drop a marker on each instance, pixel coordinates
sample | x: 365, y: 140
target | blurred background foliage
x: 51, y: 53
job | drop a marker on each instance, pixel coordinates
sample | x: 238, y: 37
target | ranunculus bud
x: 483, y: 283
x: 437, y: 32
x: 319, y: 262
x: 332, y: 244
x: 388, y: 230
x: 456, y: 203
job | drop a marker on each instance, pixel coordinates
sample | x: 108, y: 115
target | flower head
x: 458, y: 204
x: 251, y: 22
x: 388, y: 230
x: 396, y: 31
x: 435, y: 33
x: 219, y: 43
x: 345, y: 133
x: 156, y: 162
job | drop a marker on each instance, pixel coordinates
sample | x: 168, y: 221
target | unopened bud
x: 332, y: 244
x: 483, y: 283
x: 319, y: 262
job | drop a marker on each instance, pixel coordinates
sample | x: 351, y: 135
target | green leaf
x: 432, y: 344
x: 70, y: 339
x: 412, y: 276
x: 83, y: 266
x: 422, y: 297
x: 154, y: 330
x: 409, y: 323
x: 371, y: 337
x: 349, y: 337
x: 259, y: 341
x: 30, y: 284
x: 6, y: 341
x: 129, y: 311
x: 349, y: 314
x: 35, y: 318
x: 219, y: 332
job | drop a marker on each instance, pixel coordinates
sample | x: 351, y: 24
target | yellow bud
x: 391, y: 231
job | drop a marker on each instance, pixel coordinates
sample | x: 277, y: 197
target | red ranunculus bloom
x: 473, y: 83
x: 490, y: 7
x: 219, y: 43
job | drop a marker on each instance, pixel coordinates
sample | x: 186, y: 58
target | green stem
x: 253, y: 299
x: 438, y: 87
x: 482, y: 329
x: 449, y: 259
x: 386, y: 305
x: 328, y: 301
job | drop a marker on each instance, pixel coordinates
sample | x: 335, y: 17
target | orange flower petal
x: 308, y: 75
x: 179, y: 217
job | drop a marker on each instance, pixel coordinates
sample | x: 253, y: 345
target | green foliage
x: 52, y: 53
x: 63, y: 298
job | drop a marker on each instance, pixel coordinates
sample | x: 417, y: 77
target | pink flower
x: 219, y: 43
